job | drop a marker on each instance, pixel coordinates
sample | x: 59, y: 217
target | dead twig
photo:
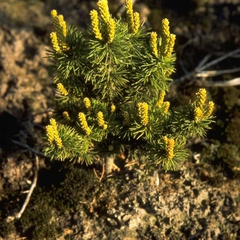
x: 90, y: 204
x: 204, y: 60
x: 28, y: 148
x: 19, y: 214
x: 30, y: 191
x: 214, y: 73
x: 230, y: 83
x: 102, y: 174
x: 199, y: 70
x: 218, y: 60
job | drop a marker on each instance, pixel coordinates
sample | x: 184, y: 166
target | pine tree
x: 110, y: 86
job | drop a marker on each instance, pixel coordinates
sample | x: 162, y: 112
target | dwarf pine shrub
x: 110, y: 86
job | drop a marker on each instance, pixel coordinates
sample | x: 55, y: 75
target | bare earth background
x: 200, y: 201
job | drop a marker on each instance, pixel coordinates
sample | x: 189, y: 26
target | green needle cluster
x: 111, y: 82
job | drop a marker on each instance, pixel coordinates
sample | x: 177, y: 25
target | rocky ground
x: 200, y: 201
